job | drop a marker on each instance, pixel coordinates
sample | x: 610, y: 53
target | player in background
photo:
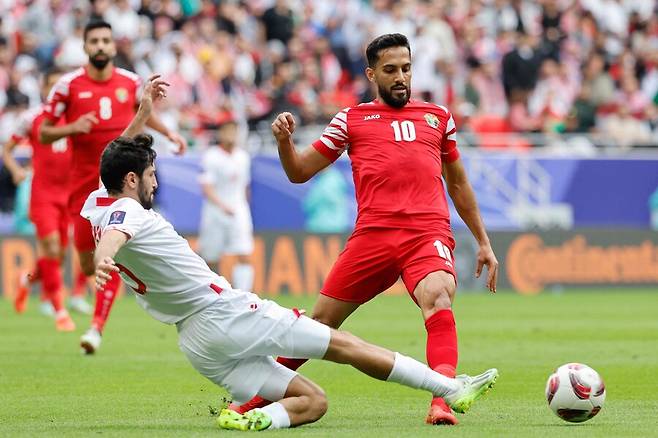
x: 97, y: 102
x: 226, y: 227
x: 48, y: 211
x: 228, y: 334
x: 399, y: 149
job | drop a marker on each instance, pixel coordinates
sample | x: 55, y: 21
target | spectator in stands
x: 255, y: 55
x: 278, y: 22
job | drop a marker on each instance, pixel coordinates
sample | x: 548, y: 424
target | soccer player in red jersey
x: 98, y: 101
x: 48, y: 206
x: 399, y: 149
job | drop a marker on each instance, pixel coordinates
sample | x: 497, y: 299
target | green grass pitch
x: 139, y: 384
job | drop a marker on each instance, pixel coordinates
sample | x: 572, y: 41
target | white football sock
x: 409, y: 372
x: 243, y: 276
x: 278, y: 414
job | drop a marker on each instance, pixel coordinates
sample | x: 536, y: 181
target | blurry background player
x: 48, y: 209
x: 399, y: 150
x: 226, y: 227
x: 97, y: 102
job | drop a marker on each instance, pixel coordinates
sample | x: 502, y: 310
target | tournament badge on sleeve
x: 117, y: 217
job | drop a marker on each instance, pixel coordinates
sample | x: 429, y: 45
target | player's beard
x: 98, y: 62
x: 145, y: 198
x: 396, y: 102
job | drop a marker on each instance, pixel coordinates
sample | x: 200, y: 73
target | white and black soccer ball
x: 575, y: 392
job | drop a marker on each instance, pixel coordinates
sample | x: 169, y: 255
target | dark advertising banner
x: 297, y: 263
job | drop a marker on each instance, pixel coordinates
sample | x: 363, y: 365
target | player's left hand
x: 179, y: 141
x: 486, y: 257
x: 104, y: 270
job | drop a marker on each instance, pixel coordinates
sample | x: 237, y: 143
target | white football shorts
x: 232, y: 341
x: 220, y: 234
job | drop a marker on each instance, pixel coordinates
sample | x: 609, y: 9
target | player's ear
x: 130, y: 180
x: 370, y: 74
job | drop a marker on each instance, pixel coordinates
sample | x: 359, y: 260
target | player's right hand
x: 154, y: 90
x: 84, y: 123
x: 104, y: 270
x: 283, y: 126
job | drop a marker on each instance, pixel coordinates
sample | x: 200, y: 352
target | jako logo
x: 371, y: 117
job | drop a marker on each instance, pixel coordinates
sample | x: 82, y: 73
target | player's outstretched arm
x: 17, y: 172
x: 302, y: 166
x: 463, y: 197
x: 106, y: 249
x: 157, y: 88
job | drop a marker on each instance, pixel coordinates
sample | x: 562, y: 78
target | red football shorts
x: 83, y: 238
x: 50, y: 216
x: 374, y: 258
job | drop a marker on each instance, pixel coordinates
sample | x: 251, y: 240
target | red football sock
x: 442, y: 346
x: 104, y: 300
x: 80, y: 286
x: 51, y: 280
x: 292, y: 364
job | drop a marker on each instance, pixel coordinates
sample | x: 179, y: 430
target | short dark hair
x: 384, y: 42
x: 51, y: 72
x: 124, y: 155
x: 95, y: 24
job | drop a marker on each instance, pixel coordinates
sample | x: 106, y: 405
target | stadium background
x: 555, y: 102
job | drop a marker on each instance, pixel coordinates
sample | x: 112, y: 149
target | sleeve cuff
x: 324, y: 150
x: 452, y: 155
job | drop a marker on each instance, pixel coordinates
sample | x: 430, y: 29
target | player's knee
x: 442, y: 299
x: 436, y: 292
x: 51, y: 248
x: 318, y: 404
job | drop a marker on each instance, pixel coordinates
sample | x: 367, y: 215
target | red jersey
x: 113, y: 101
x: 51, y: 162
x: 396, y: 156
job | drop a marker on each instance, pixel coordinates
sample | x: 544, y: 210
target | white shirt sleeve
x: 209, y: 164
x: 125, y: 215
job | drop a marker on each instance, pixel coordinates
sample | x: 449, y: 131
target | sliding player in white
x: 230, y: 335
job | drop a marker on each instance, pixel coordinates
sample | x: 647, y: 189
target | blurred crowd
x: 543, y: 66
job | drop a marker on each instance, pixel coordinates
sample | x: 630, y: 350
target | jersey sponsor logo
x: 371, y: 117
x: 117, y: 217
x: 122, y: 94
x: 432, y: 120
x: 84, y: 94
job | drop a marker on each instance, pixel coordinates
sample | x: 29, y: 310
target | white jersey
x: 170, y: 281
x: 229, y: 175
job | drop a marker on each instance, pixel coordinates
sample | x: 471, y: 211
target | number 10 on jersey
x: 404, y: 130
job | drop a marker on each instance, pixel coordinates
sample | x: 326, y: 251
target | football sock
x: 292, y: 364
x: 409, y: 372
x: 80, y: 286
x: 51, y: 280
x: 243, y: 276
x: 441, y: 348
x: 104, y: 300
x: 278, y: 414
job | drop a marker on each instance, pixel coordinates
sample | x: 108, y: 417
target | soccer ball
x: 575, y: 392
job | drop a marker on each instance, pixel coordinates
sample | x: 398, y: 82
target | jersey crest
x: 122, y: 94
x: 432, y: 120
